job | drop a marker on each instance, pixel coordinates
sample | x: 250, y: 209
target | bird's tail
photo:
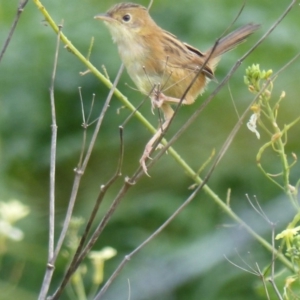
x: 233, y: 39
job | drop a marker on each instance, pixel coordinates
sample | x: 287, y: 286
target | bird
x: 162, y: 66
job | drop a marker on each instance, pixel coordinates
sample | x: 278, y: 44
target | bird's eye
x: 126, y: 18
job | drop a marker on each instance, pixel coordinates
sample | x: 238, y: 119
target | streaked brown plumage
x: 154, y: 57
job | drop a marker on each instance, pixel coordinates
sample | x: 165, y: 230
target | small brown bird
x: 159, y: 64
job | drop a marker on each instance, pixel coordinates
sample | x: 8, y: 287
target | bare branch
x: 50, y: 264
x: 13, y: 27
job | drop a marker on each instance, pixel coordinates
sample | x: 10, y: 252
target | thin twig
x: 129, y: 290
x: 13, y: 27
x: 263, y: 281
x: 232, y: 100
x: 91, y: 109
x: 82, y: 107
x: 250, y: 270
x: 85, y: 126
x: 50, y: 264
x: 235, y: 19
x: 272, y: 280
x: 134, y: 111
x: 150, y: 4
x: 258, y: 209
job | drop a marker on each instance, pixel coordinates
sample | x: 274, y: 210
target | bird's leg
x: 168, y: 113
x: 158, y: 99
x: 149, y: 146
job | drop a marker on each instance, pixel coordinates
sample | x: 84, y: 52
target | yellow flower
x: 288, y: 233
x: 98, y: 258
x: 13, y: 211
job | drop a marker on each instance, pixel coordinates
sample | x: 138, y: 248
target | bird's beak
x: 103, y: 17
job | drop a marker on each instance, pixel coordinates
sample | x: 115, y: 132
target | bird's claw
x: 145, y: 156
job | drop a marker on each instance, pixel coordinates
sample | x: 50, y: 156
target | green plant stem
x: 280, y: 147
x: 295, y: 221
x: 78, y: 285
x: 277, y: 140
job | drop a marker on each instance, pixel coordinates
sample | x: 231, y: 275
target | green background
x: 186, y: 261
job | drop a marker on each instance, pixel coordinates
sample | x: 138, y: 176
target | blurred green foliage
x: 185, y: 261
